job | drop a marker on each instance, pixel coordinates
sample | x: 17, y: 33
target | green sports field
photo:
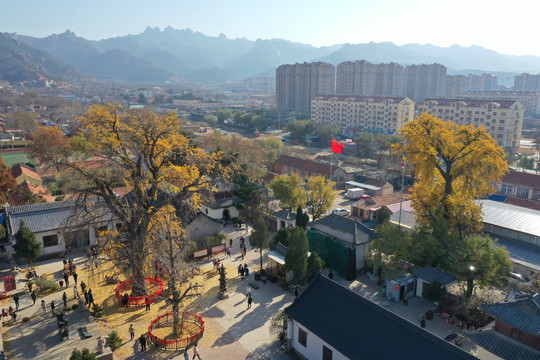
x: 11, y: 159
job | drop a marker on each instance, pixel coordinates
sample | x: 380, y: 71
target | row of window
x: 520, y: 192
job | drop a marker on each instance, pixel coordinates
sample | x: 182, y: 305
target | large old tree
x: 453, y: 165
x: 141, y: 150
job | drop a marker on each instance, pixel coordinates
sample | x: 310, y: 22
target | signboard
x: 200, y: 253
x: 218, y: 249
x: 9, y: 283
x: 397, y: 287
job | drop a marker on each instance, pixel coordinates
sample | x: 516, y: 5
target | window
x: 50, y: 240
x: 326, y: 353
x: 536, y: 195
x: 410, y: 286
x: 302, y: 337
x: 507, y: 189
x: 522, y: 193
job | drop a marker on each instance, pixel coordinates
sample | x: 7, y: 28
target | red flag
x: 337, y: 147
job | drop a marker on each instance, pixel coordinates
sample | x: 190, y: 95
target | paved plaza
x: 232, y: 330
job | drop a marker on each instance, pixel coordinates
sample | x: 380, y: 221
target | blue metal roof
x: 361, y: 329
x: 521, y: 251
x: 523, y: 314
x: 503, y: 348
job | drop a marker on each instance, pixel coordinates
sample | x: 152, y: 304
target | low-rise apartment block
x: 502, y: 118
x: 362, y: 113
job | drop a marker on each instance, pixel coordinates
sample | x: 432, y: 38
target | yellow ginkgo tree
x: 146, y: 152
x: 453, y: 165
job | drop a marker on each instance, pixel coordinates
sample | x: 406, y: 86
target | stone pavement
x: 415, y: 309
x: 38, y: 338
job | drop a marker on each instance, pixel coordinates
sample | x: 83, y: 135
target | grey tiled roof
x: 51, y: 216
x: 285, y: 215
x: 361, y: 329
x: 523, y: 314
x: 225, y: 203
x: 351, y: 226
x: 503, y: 348
x: 431, y: 274
x: 521, y: 252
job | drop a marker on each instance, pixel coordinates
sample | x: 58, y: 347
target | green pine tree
x: 26, y: 245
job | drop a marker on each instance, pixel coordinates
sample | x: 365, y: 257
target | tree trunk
x: 137, y: 265
x: 470, y: 286
x: 175, y: 306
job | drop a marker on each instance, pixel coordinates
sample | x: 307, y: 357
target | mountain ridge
x: 171, y: 54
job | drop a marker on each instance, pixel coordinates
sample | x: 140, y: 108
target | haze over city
x: 495, y: 25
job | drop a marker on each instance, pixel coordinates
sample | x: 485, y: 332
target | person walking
x: 66, y: 278
x: 186, y: 354
x: 147, y: 303
x: 229, y: 251
x: 248, y: 290
x: 296, y: 291
x: 34, y: 297
x: 75, y: 292
x: 52, y: 307
x: 405, y: 300
x: 30, y: 286
x: 85, y: 293
x: 43, y: 306
x: 196, y: 352
x: 230, y: 242
x: 16, y: 299
x: 249, y: 301
x: 90, y: 298
x: 83, y: 286
x: 75, y: 276
x: 131, y: 331
x: 142, y: 341
x: 64, y: 298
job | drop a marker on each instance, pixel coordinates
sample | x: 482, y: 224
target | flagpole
x: 402, y: 181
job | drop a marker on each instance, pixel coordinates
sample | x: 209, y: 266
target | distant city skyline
x: 506, y: 27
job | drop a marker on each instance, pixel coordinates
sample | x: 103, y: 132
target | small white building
x: 427, y: 275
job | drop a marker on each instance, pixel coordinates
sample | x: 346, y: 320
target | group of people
x: 70, y: 268
x: 243, y: 270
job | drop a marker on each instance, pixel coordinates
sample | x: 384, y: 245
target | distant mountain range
x: 156, y: 56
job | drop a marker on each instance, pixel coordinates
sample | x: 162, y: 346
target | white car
x: 341, y: 212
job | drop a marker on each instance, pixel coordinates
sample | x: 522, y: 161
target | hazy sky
x: 509, y: 27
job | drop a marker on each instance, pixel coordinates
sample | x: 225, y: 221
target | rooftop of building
x: 502, y: 103
x: 377, y: 99
x: 361, y: 329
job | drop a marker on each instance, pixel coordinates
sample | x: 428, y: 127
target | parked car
x: 341, y: 212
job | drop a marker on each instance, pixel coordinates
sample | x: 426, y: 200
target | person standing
x: 405, y: 300
x: 16, y: 299
x: 66, y: 278
x: 229, y: 251
x: 75, y: 292
x: 248, y: 290
x: 90, y: 298
x: 186, y: 353
x: 43, y: 306
x: 131, y: 331
x: 64, y: 298
x: 230, y: 242
x: 240, y: 270
x: 52, y: 307
x: 34, y: 297
x: 196, y: 352
x: 30, y: 286
x: 83, y: 286
x: 249, y: 301
x: 296, y: 291
x: 85, y: 293
x: 75, y: 276
x: 147, y: 303
x: 142, y: 341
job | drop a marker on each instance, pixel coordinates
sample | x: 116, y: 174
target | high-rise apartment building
x: 502, y: 118
x: 484, y: 82
x: 362, y: 113
x: 297, y: 84
x: 364, y: 78
x: 426, y: 80
x: 527, y: 82
x: 456, y: 85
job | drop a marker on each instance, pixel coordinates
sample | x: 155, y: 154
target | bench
x: 84, y: 332
x: 255, y: 286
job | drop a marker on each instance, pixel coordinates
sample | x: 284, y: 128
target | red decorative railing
x: 177, y: 344
x: 140, y: 300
